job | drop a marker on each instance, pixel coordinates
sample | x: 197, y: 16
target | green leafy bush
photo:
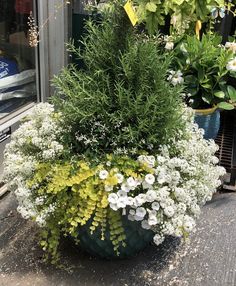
x: 206, y: 71
x: 121, y: 101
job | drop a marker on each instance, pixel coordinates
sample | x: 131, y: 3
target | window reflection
x: 17, y: 58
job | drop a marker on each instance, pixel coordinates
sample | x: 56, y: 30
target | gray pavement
x: 208, y: 258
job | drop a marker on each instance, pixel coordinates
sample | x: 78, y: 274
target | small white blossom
x: 169, y: 46
x: 125, y: 187
x: 131, y: 182
x: 120, y: 178
x: 129, y: 201
x: 113, y: 198
x: 139, y: 200
x: 231, y: 46
x: 114, y: 206
x: 189, y: 223
x: 149, y: 179
x: 122, y: 193
x: 141, y: 212
x: 175, y: 77
x: 155, y: 206
x: 158, y: 239
x: 169, y: 211
x: 151, y: 196
x: 231, y: 65
x: 103, y: 174
x: 108, y: 188
x: 121, y: 202
x: 145, y: 224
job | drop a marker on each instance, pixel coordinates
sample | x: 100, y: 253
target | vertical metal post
x: 53, y: 25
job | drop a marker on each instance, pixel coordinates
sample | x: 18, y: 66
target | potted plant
x: 182, y: 13
x: 205, y: 67
x: 117, y: 161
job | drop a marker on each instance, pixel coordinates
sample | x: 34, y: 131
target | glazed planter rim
x: 205, y: 111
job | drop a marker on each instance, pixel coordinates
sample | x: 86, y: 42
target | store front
x: 25, y: 71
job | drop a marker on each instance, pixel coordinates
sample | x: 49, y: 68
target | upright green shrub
x: 121, y: 102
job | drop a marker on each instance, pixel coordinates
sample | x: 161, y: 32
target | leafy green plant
x: 121, y: 101
x: 119, y: 142
x: 153, y: 12
x: 206, y: 75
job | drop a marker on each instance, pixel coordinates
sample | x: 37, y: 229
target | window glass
x: 17, y: 58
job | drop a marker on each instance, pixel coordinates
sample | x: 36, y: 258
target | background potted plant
x: 206, y: 67
x: 117, y: 161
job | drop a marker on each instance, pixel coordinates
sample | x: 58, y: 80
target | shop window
x: 17, y: 58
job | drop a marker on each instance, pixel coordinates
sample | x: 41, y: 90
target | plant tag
x: 198, y: 28
x: 130, y: 12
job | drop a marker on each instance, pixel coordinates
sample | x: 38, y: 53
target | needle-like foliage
x: 120, y: 102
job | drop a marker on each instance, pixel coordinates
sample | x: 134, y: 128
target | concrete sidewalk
x: 209, y: 258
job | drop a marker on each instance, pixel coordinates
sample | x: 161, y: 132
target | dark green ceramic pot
x: 137, y: 239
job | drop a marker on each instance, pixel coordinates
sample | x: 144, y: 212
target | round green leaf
x: 225, y: 105
x: 219, y: 94
x: 232, y: 92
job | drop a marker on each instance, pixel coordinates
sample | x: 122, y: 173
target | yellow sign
x: 130, y: 12
x: 198, y: 28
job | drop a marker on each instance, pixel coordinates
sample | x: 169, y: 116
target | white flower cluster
x: 167, y: 200
x: 231, y: 46
x: 175, y: 77
x: 231, y: 65
x: 169, y: 44
x: 35, y: 140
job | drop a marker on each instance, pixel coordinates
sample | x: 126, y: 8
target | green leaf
x: 207, y: 98
x: 225, y: 105
x: 178, y: 2
x: 206, y: 85
x: 232, y: 92
x: 219, y: 94
x: 151, y: 7
x: 201, y: 74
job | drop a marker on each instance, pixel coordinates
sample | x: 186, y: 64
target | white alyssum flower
x: 35, y: 140
x: 166, y: 199
x: 149, y: 160
x: 189, y: 223
x: 231, y: 65
x: 103, y: 174
x: 185, y: 178
x: 158, y: 239
x: 169, y: 211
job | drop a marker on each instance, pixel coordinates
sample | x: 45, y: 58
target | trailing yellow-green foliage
x: 79, y: 197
